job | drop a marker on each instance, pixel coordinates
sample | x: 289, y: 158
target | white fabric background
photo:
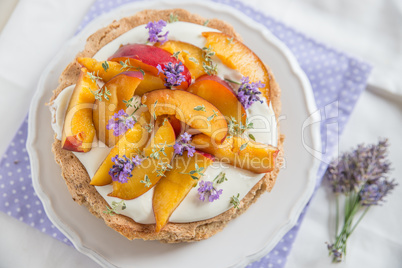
x: 368, y: 29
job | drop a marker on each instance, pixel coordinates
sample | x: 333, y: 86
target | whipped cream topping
x: 59, y: 108
x: 240, y: 181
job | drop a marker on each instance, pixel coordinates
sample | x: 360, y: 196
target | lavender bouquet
x: 360, y: 176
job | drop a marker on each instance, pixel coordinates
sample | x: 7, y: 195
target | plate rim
x: 217, y: 7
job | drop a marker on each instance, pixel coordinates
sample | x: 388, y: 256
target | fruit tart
x: 165, y: 126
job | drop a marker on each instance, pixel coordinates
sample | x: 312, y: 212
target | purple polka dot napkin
x: 337, y: 81
x: 17, y: 196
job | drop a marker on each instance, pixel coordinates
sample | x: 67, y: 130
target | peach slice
x: 176, y: 124
x: 190, y: 55
x: 220, y: 94
x: 132, y: 142
x: 151, y: 167
x: 121, y: 88
x: 238, y: 56
x: 239, y: 152
x: 174, y: 187
x: 96, y: 67
x: 150, y: 82
x: 184, y: 106
x: 78, y: 130
x: 148, y: 58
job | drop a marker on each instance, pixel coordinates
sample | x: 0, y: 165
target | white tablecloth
x: 370, y: 30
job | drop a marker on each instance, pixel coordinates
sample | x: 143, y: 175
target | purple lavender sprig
x: 122, y: 167
x: 360, y: 175
x: 173, y: 74
x: 353, y: 169
x: 184, y: 144
x: 248, y: 92
x: 207, y: 190
x: 155, y: 31
x: 372, y: 193
x: 120, y: 123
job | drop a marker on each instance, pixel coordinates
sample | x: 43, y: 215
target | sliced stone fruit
x: 132, y: 142
x: 149, y: 83
x: 78, y: 130
x: 96, y: 67
x: 238, y: 56
x: 158, y: 154
x: 190, y: 55
x: 174, y: 187
x: 148, y: 58
x: 220, y: 94
x: 184, y: 106
x: 121, y: 88
x: 239, y: 152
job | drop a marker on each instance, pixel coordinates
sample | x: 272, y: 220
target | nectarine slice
x: 132, y: 142
x: 185, y: 107
x: 174, y: 187
x: 159, y: 153
x: 239, y: 152
x: 238, y: 56
x: 190, y: 55
x: 220, y: 94
x: 148, y: 58
x: 176, y: 124
x: 94, y: 66
x: 121, y: 88
x: 78, y: 130
x: 150, y: 82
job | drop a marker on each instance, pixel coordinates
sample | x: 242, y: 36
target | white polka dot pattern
x: 17, y: 196
x: 337, y: 81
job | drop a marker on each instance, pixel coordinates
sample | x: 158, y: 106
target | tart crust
x: 77, y: 178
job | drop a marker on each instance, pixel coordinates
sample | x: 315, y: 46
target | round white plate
x: 245, y: 239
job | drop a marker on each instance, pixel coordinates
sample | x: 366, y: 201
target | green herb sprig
x: 105, y: 66
x: 198, y: 170
x: 158, y: 150
x: 102, y: 93
x: 115, y: 205
x: 162, y: 168
x: 208, y: 65
x: 215, y: 114
x: 173, y: 18
x: 146, y: 181
x: 176, y: 55
x: 125, y: 65
x: 199, y: 108
x: 234, y: 200
x: 237, y: 128
x: 220, y: 178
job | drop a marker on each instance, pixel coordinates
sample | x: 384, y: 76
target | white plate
x: 245, y: 239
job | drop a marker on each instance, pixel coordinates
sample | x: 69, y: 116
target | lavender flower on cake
x: 207, y: 190
x: 360, y: 175
x: 173, y: 74
x: 248, y: 92
x: 155, y: 31
x: 122, y: 168
x: 184, y: 144
x: 120, y: 123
